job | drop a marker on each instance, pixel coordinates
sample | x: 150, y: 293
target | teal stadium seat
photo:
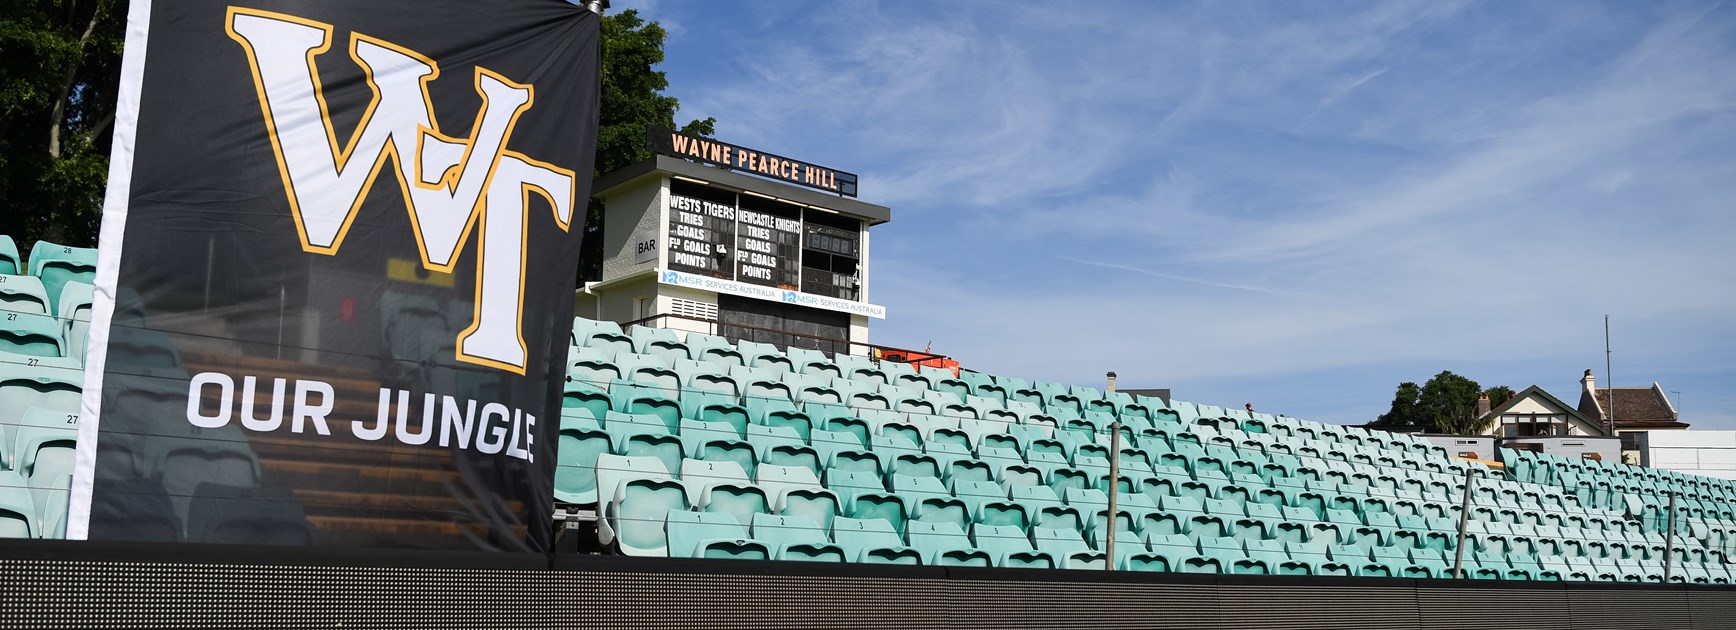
x: 10, y: 263
x: 632, y: 519
x: 945, y: 544
x: 1069, y: 547
x: 23, y: 294
x: 74, y: 312
x: 872, y: 541
x: 581, y: 442
x: 31, y: 334
x: 796, y: 538
x: 659, y: 342
x: 44, y: 454
x: 50, y: 385
x: 705, y: 535
x: 57, y: 265
x: 1010, y: 547
x: 713, y: 349
x: 17, y: 509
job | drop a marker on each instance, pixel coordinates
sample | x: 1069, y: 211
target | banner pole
x: 1114, y: 489
x: 1464, y: 515
x: 1670, y: 538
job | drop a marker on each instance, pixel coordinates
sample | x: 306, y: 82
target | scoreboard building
x: 720, y: 239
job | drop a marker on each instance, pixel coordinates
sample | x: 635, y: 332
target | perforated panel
x: 43, y: 594
x: 1263, y: 607
x: 1543, y: 608
x: 91, y: 594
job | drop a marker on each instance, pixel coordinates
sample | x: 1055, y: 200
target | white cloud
x: 1301, y: 210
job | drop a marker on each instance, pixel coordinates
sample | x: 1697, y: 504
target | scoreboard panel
x: 760, y: 240
x: 701, y: 231
x: 768, y: 245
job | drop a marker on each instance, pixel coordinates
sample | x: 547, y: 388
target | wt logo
x: 452, y: 185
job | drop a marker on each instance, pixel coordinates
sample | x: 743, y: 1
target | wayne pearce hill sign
x: 739, y: 158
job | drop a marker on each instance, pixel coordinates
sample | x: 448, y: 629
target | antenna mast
x: 1608, y: 378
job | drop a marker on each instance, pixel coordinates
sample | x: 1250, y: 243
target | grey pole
x: 1114, y: 480
x: 1670, y: 538
x: 1608, y: 375
x: 1114, y: 489
x: 596, y: 6
x: 1464, y: 515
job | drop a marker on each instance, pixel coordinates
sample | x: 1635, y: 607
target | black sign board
x: 372, y: 351
x: 701, y: 233
x: 739, y: 158
x: 768, y: 248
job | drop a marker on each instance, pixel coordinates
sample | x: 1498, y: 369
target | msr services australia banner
x: 336, y: 271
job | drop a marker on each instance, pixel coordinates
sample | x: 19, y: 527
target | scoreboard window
x: 768, y: 242
x: 701, y: 229
x: 831, y: 256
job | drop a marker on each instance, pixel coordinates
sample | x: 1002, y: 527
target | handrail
x: 909, y: 356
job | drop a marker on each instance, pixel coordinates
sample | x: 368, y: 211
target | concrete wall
x: 1457, y: 445
x: 1607, y: 449
x: 1708, y: 453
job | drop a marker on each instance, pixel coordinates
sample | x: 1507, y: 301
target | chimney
x: 1606, y: 415
x: 1483, y: 405
x: 1589, y: 384
x: 1111, y: 387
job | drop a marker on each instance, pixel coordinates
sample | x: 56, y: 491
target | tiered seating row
x: 44, y: 314
x: 866, y: 461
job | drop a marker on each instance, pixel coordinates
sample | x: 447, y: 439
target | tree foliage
x: 1499, y: 395
x: 632, y: 97
x: 61, y: 68
x: 1447, y: 403
x: 1404, y: 411
x: 59, y: 71
x: 632, y: 101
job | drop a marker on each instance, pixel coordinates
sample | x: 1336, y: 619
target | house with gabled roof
x: 1632, y: 408
x: 1537, y: 413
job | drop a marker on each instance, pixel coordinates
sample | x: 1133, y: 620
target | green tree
x: 632, y: 101
x: 1499, y: 395
x: 61, y: 68
x: 1404, y: 411
x: 1446, y: 403
x: 1449, y: 403
x: 59, y: 71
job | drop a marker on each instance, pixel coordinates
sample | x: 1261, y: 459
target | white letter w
x: 446, y: 176
x: 451, y: 185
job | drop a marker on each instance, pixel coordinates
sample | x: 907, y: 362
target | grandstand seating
x: 44, y: 317
x: 690, y: 445
x: 697, y: 447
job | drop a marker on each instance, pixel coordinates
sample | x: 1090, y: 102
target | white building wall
x: 859, y: 334
x: 621, y: 302
x: 1706, y: 453
x: 632, y: 214
x: 1533, y: 405
x: 667, y: 302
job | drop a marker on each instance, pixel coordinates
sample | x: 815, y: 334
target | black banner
x: 340, y: 274
x: 740, y: 158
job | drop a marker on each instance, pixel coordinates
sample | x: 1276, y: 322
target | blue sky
x: 1297, y: 205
